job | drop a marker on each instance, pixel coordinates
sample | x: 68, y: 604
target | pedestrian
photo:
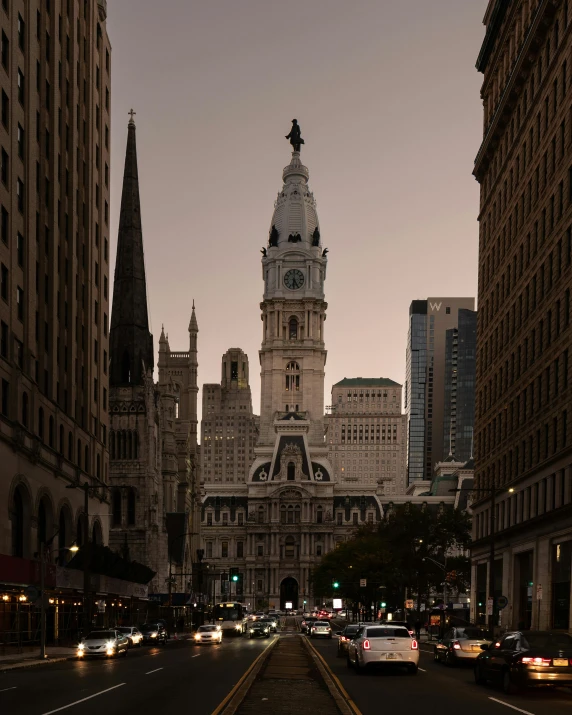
x: 418, y: 629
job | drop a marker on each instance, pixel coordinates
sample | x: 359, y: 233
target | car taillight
x: 411, y: 632
x: 414, y: 645
x: 456, y: 645
x: 366, y: 645
x: 536, y: 661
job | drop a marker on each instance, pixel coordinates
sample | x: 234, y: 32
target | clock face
x: 293, y: 279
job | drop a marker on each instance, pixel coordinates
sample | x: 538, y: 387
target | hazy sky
x: 387, y: 96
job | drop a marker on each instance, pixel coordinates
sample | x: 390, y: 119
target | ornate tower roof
x: 295, y: 219
x: 130, y: 342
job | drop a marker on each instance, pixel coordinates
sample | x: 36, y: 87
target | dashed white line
x: 5, y: 689
x: 77, y: 702
x: 422, y: 670
x: 512, y: 707
x: 153, y: 671
x: 198, y: 655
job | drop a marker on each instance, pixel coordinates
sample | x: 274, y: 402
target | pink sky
x: 387, y: 96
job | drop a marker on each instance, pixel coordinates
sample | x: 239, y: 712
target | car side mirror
x: 485, y: 646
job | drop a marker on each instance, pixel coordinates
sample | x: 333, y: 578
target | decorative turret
x: 130, y: 341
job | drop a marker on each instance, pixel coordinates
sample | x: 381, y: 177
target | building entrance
x: 289, y: 593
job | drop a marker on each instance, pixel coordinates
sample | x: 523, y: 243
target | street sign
x: 409, y: 603
x: 288, y: 605
x: 337, y: 603
x: 539, y: 592
x: 490, y: 606
x: 502, y: 602
x: 363, y: 582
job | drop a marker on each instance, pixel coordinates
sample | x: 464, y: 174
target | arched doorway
x: 289, y: 593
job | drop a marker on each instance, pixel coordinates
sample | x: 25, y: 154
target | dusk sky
x: 387, y: 96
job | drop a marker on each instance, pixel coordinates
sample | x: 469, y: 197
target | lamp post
x: 169, y: 547
x: 493, y: 491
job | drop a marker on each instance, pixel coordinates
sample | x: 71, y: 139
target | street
x: 150, y: 680
x: 436, y: 689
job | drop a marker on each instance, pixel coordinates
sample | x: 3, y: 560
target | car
x: 259, y: 629
x: 383, y: 646
x: 306, y: 614
x: 306, y: 623
x: 345, y: 636
x: 321, y: 628
x: 133, y: 634
x: 154, y: 632
x: 272, y: 622
x: 106, y: 644
x: 461, y: 644
x: 273, y: 613
x: 523, y: 659
x: 208, y: 634
x: 403, y: 624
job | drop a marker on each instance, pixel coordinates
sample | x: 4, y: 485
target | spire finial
x: 131, y: 114
x: 193, y: 303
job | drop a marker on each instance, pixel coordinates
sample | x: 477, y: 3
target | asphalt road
x: 436, y: 689
x: 176, y: 678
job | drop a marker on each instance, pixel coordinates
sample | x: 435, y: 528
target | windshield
x: 473, y: 634
x: 225, y: 613
x: 207, y: 629
x: 150, y: 627
x: 547, y: 640
x: 124, y: 630
x: 387, y: 633
x: 350, y: 630
x: 100, y: 635
x: 322, y: 623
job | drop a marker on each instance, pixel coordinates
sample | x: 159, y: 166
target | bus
x: 231, y: 617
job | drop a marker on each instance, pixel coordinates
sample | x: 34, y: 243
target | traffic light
x: 383, y: 604
x: 233, y: 574
x: 335, y: 584
x: 235, y: 577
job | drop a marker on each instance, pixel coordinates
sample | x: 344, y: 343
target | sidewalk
x: 27, y: 660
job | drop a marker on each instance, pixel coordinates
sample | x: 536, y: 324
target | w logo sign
x: 435, y: 306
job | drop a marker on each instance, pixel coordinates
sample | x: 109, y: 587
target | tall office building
x: 367, y: 435
x: 524, y: 384
x: 229, y: 427
x: 429, y: 321
x: 459, y: 408
x: 54, y: 286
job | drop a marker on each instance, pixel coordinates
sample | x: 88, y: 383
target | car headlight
x: 197, y: 637
x: 81, y: 646
x: 266, y: 630
x: 238, y: 628
x: 153, y: 635
x: 110, y: 645
x: 251, y: 630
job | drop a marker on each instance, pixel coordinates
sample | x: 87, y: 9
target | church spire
x: 130, y: 342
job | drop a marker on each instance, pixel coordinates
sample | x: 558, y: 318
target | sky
x: 387, y: 97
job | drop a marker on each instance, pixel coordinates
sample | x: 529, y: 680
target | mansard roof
x: 367, y: 382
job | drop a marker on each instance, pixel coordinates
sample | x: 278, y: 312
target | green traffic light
x: 336, y: 584
x: 235, y: 578
x: 383, y: 604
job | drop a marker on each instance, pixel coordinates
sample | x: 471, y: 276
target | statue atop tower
x: 295, y: 136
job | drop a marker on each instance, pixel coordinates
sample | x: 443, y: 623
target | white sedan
x: 383, y: 646
x: 208, y: 634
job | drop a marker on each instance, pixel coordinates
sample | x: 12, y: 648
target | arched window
x: 41, y: 423
x: 96, y: 535
x: 131, y: 507
x: 61, y: 440
x: 79, y: 453
x: 42, y: 530
x: 80, y: 530
x: 291, y: 471
x: 293, y: 329
x: 261, y: 515
x: 289, y: 548
x: 18, y: 524
x: 283, y: 514
x: 64, y: 529
x: 292, y: 377
x: 319, y: 515
x: 25, y: 409
x: 129, y: 446
x: 297, y: 514
x: 112, y: 444
x: 120, y: 445
x: 116, y: 507
x: 70, y: 446
x: 135, y: 446
x: 51, y: 431
x: 290, y: 513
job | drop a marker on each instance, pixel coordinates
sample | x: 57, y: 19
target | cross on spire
x: 131, y: 113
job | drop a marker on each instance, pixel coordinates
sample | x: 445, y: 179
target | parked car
x: 133, y: 634
x: 523, y: 659
x: 106, y: 644
x: 154, y: 632
x: 461, y: 645
x: 345, y: 636
x: 321, y: 628
x: 383, y: 646
x: 208, y: 634
x: 259, y: 629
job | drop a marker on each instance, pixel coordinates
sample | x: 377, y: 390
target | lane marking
x: 422, y: 670
x: 154, y: 671
x: 229, y: 697
x: 512, y: 707
x: 12, y: 688
x: 77, y: 702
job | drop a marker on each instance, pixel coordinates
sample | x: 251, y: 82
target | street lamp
x: 493, y: 491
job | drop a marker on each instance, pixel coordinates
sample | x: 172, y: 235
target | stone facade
x: 153, y: 425
x: 367, y: 435
x: 54, y: 279
x: 524, y: 381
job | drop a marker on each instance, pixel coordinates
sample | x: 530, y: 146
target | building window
x: 209, y: 519
x: 21, y: 87
x: 292, y: 377
x: 131, y: 507
x: 260, y: 550
x: 289, y: 548
x: 20, y: 303
x: 291, y: 476
x: 116, y: 507
x: 25, y: 409
x: 224, y: 550
x: 240, y: 549
x: 209, y: 549
x: 293, y: 329
x: 319, y: 515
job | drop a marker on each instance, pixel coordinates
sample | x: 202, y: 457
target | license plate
x: 391, y: 656
x: 560, y: 661
x: 476, y: 647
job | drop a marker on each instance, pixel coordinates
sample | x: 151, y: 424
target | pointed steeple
x: 130, y: 342
x: 193, y: 325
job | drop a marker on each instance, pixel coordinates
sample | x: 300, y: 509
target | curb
x: 336, y: 689
x: 238, y: 694
x: 33, y: 663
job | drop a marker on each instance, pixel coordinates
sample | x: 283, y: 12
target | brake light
x: 366, y: 645
x: 456, y: 645
x: 410, y: 632
x: 414, y: 645
x: 536, y: 661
